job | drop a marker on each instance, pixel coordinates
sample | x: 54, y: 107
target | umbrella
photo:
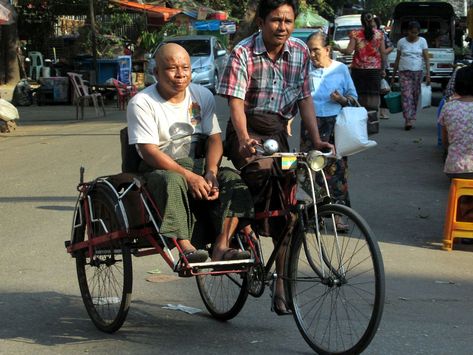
x: 310, y: 19
x: 6, y: 15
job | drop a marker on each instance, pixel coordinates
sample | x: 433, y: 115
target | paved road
x: 398, y: 187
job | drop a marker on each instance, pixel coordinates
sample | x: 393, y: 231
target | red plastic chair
x: 124, y: 93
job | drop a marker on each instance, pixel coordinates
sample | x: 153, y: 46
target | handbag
x: 425, y: 99
x: 351, y: 134
x: 372, y: 125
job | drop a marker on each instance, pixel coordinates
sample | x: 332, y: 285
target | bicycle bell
x: 270, y: 147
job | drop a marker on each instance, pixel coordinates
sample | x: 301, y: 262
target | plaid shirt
x: 266, y: 85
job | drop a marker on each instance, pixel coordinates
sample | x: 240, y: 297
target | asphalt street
x: 398, y: 186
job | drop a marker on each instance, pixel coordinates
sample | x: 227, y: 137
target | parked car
x: 303, y: 33
x: 437, y: 22
x: 208, y: 59
x: 342, y: 27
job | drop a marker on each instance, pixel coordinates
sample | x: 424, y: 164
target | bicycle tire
x: 224, y: 295
x: 105, y: 281
x: 340, y: 312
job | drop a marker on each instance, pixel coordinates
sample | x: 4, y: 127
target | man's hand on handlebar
x: 325, y: 147
x: 248, y: 147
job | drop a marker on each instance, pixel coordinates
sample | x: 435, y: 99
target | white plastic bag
x: 351, y: 135
x: 8, y: 112
x: 425, y: 97
x: 384, y: 86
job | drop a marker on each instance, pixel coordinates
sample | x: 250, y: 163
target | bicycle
x: 334, y: 280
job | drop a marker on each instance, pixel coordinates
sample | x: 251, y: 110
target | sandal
x: 235, y: 254
x: 279, y: 311
x: 340, y: 226
x: 196, y: 255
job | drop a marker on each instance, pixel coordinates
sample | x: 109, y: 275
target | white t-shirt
x: 173, y: 127
x: 411, y: 53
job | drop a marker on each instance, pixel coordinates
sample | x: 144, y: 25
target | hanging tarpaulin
x: 212, y: 25
x: 6, y: 14
x: 310, y: 19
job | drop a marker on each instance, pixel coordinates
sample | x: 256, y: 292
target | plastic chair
x: 459, y: 217
x: 124, y: 93
x: 36, y: 64
x: 82, y: 95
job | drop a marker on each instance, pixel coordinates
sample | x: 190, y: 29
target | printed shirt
x: 367, y: 53
x: 266, y: 85
x: 457, y: 117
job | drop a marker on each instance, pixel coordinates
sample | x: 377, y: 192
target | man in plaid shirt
x: 266, y: 82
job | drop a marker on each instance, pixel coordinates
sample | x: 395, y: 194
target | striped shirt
x: 265, y: 85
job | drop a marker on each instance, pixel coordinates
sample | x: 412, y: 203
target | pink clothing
x: 457, y: 118
x: 367, y: 53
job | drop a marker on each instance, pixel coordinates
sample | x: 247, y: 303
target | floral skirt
x: 410, y: 91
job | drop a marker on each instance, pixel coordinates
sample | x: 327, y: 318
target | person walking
x: 368, y: 46
x: 266, y: 83
x: 412, y: 52
x: 331, y: 89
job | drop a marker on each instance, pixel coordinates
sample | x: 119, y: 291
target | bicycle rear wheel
x: 337, y: 289
x: 224, y: 295
x: 105, y: 278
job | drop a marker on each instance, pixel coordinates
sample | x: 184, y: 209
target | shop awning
x: 165, y: 12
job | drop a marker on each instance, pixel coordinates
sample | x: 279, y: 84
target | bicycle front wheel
x: 105, y: 278
x: 224, y: 295
x: 336, y: 281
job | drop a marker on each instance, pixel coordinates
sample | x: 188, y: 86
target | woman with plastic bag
x: 331, y: 87
x: 412, y: 51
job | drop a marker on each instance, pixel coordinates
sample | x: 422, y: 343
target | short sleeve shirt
x: 457, y: 117
x: 266, y: 85
x: 173, y: 127
x: 411, y: 53
x: 367, y: 53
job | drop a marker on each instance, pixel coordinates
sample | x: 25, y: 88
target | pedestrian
x: 266, y: 82
x: 412, y: 52
x: 367, y: 44
x: 469, y: 25
x: 456, y: 119
x: 388, y: 45
x: 331, y: 89
x: 165, y: 122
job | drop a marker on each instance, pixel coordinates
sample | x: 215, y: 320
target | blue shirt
x: 324, y: 81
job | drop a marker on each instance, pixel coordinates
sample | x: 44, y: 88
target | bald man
x: 166, y: 123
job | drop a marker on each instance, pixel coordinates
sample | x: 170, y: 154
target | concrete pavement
x: 398, y: 187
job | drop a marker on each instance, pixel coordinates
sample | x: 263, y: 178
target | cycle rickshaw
x: 334, y: 280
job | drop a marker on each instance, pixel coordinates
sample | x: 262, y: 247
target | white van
x: 343, y: 25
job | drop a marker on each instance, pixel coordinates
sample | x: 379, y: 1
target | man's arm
x: 306, y: 108
x: 154, y: 157
x: 238, y: 116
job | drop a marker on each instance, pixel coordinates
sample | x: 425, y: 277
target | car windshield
x: 342, y: 32
x: 435, y: 30
x: 195, y: 48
